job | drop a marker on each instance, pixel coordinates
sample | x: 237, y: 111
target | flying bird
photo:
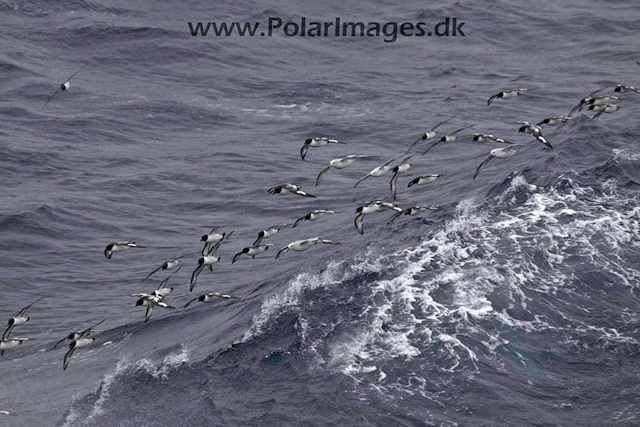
x: 534, y: 130
x: 376, y: 172
x: 399, y: 169
x: 64, y: 86
x: 481, y: 137
x: 425, y: 179
x: 252, y: 251
x: 317, y: 142
x: 553, y: 121
x: 119, y: 247
x: 303, y: 245
x: 289, y: 188
x: 268, y: 232
x: 450, y: 137
x: 9, y: 343
x: 604, y: 108
x: 506, y: 94
x: 76, y: 335
x: 497, y: 153
x: 205, y: 261
x: 371, y: 207
x: 340, y: 164
x: 414, y: 210
x: 83, y: 340
x: 210, y: 297
x: 313, y: 216
x: 213, y: 240
x: 18, y: 319
x: 168, y: 265
x: 429, y: 135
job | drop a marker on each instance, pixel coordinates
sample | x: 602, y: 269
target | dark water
x: 516, y: 304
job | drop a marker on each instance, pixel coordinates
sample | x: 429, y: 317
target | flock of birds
x: 599, y: 104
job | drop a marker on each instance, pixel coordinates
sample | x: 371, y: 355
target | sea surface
x: 517, y: 303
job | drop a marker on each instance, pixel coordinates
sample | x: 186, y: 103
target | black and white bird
x: 64, y: 86
x: 168, y: 265
x: 268, y: 232
x: 252, y: 251
x: 303, y: 245
x: 429, y: 134
x: 376, y: 172
x: 151, y: 301
x: 397, y: 170
x: 83, y: 340
x: 205, y: 261
x: 76, y: 335
x: 290, y: 189
x: 213, y: 240
x: 317, y: 142
x: 163, y: 290
x: 414, y: 210
x: 425, y: 179
x: 625, y: 88
x: 481, y: 137
x: 506, y: 94
x: 18, y: 319
x: 450, y: 137
x: 9, y: 343
x: 553, y: 121
x: 369, y: 208
x: 210, y: 297
x: 340, y: 163
x: 497, y: 153
x: 584, y: 101
x: 312, y: 216
x: 534, y: 130
x: 604, y: 108
x: 119, y: 247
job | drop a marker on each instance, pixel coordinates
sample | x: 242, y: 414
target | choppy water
x: 515, y: 304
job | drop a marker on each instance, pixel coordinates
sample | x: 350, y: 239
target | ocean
x: 516, y: 303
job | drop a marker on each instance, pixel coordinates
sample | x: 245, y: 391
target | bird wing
x: 431, y: 146
x: 236, y: 256
x: 461, y: 129
x: 67, y: 358
x: 194, y: 275
x: 392, y: 184
x: 493, y: 98
x: 147, y: 315
x: 303, y: 150
x: 24, y: 310
x: 7, y: 332
x: 303, y: 193
x: 322, y: 172
x: 441, y: 123
x: 395, y: 216
x: 281, y: 251
x: 302, y: 218
x: 358, y: 223
x: 544, y: 141
x: 51, y: 97
x: 481, y: 165
x: 190, y: 301
x: 74, y: 74
x: 259, y: 239
x: 59, y: 342
x: 87, y: 331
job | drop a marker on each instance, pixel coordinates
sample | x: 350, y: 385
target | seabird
x: 599, y: 100
x: 498, y: 153
x: 168, y: 265
x: 151, y: 301
x: 450, y: 137
x: 429, y: 135
x: 18, y: 319
x: 317, y: 142
x: 9, y: 343
x: 340, y: 164
x: 82, y: 341
x: 414, y: 210
x: 76, y: 335
x: 202, y: 262
x: 424, y: 179
x: 268, y: 232
x: 303, y: 245
x: 252, y: 251
x: 555, y: 120
x: 118, y: 247
x: 401, y: 168
x: 604, y: 108
x: 481, y: 137
x: 210, y: 297
x: 376, y: 172
x: 534, y: 130
x: 289, y: 188
x: 371, y: 207
x: 312, y: 216
x: 64, y: 86
x: 506, y: 94
x: 213, y: 240
x: 625, y: 88
x: 584, y: 100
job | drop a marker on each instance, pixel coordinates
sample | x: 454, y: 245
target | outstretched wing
x: 281, y: 251
x: 7, y: 332
x: 493, y: 98
x: 67, y: 358
x: 481, y: 165
x: 393, y: 184
x: 24, y: 310
x: 321, y: 174
x: 431, y: 146
x: 544, y: 141
x: 395, y: 216
x: 190, y: 301
x: 303, y: 150
x: 303, y: 193
x: 441, y: 123
x: 236, y: 256
x: 194, y: 275
x: 358, y: 223
x: 147, y: 315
